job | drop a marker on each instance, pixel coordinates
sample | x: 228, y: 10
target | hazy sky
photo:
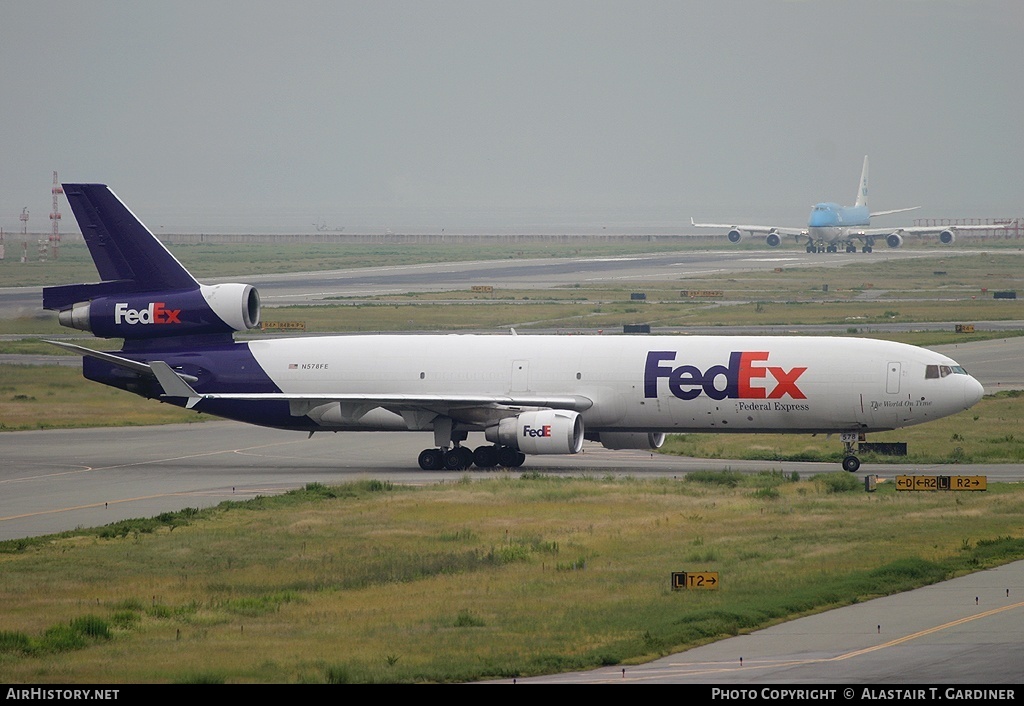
x: 216, y: 116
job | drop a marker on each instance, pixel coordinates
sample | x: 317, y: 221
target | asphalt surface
x: 56, y: 480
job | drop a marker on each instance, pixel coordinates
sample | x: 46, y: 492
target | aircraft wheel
x: 851, y: 463
x: 486, y: 456
x: 458, y: 459
x: 867, y: 248
x: 431, y: 459
x: 507, y: 457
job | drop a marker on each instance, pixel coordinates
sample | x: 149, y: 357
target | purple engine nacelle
x: 220, y: 308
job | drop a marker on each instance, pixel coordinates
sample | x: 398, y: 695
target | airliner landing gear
x: 850, y: 462
x: 431, y: 459
x: 459, y: 458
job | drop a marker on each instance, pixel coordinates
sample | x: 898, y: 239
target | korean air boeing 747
x: 831, y: 226
x: 524, y: 394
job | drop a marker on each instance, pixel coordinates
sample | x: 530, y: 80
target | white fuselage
x: 635, y: 383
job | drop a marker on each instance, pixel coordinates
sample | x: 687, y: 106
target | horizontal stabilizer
x: 133, y: 365
x: 67, y: 295
x: 893, y: 210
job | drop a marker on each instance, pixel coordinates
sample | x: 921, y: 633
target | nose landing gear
x: 850, y: 461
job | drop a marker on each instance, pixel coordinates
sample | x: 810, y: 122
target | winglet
x: 172, y: 383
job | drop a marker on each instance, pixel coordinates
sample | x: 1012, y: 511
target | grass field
x: 511, y: 576
x: 57, y: 397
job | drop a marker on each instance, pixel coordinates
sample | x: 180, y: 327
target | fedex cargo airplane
x: 832, y: 226
x: 523, y: 394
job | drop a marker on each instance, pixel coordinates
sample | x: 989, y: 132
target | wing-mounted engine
x: 630, y: 440
x: 549, y: 431
x: 735, y: 235
x: 947, y: 237
x: 221, y: 308
x: 894, y: 240
x: 773, y: 239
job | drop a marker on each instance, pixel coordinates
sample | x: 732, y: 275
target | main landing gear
x: 821, y: 247
x: 459, y: 458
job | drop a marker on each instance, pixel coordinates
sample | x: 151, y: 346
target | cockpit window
x: 941, y: 371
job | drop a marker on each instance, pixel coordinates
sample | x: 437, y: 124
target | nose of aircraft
x: 973, y: 392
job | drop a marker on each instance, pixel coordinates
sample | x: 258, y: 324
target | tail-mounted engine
x: 549, y: 431
x: 220, y: 308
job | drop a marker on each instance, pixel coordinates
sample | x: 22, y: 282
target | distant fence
x: 424, y: 238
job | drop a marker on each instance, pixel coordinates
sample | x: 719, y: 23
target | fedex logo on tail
x: 155, y: 313
x: 745, y: 377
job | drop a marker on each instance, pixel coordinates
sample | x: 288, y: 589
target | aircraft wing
x: 782, y: 230
x: 420, y: 409
x: 932, y: 230
x: 127, y: 363
x: 925, y: 230
x: 734, y: 230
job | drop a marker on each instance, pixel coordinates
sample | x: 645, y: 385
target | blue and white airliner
x: 831, y: 226
x: 524, y: 394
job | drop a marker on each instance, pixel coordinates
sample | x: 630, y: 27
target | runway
x: 537, y: 273
x: 57, y: 480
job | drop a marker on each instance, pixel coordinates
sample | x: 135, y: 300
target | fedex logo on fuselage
x: 544, y: 431
x: 155, y: 313
x: 740, y: 379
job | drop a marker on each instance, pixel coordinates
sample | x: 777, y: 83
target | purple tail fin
x: 145, y: 294
x: 128, y: 257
